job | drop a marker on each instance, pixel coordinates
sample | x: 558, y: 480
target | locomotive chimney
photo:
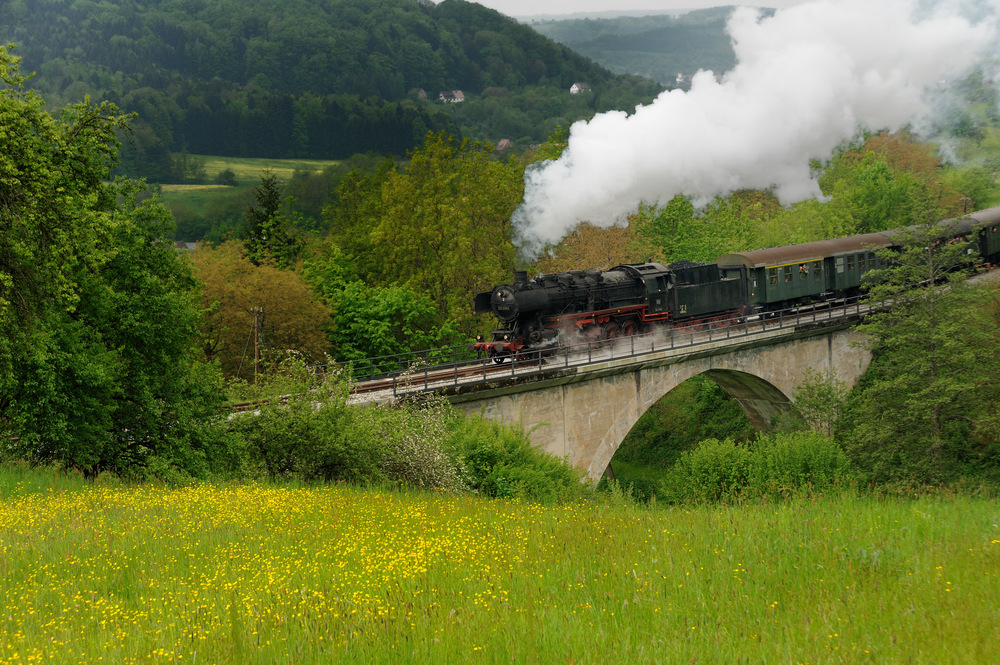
x: 520, y: 276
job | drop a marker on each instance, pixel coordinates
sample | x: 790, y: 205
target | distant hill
x: 306, y: 78
x: 657, y: 46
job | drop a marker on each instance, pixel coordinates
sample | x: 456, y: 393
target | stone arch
x: 759, y: 398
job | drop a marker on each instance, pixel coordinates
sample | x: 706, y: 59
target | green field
x: 268, y: 574
x: 248, y: 169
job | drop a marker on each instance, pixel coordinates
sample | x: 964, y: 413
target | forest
x: 305, y: 78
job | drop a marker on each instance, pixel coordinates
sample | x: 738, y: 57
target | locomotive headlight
x: 506, y: 338
x: 479, y: 338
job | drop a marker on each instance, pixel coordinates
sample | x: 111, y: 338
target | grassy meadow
x: 247, y: 171
x: 254, y: 573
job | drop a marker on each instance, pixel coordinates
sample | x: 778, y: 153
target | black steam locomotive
x: 594, y: 305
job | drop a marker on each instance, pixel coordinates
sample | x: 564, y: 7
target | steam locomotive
x: 592, y: 305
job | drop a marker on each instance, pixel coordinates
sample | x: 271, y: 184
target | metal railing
x: 415, y: 371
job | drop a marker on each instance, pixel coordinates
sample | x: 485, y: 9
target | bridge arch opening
x: 713, y: 403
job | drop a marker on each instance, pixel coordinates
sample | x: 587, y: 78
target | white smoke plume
x: 807, y: 79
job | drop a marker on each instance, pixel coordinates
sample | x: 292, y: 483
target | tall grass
x: 266, y: 574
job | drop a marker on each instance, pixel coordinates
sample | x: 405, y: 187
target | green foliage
x: 714, y: 470
x: 269, y: 234
x: 771, y: 466
x: 303, y: 79
x: 500, y: 461
x: 443, y: 225
x: 309, y: 436
x: 372, y: 321
x: 697, y: 409
x: 97, y: 312
x: 818, y: 402
x: 913, y: 415
x: 226, y: 177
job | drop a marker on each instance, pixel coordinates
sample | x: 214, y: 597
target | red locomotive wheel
x: 629, y: 328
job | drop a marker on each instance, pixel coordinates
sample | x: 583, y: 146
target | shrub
x: 413, y: 435
x: 309, y: 436
x: 501, y: 462
x: 791, y: 461
x: 715, y: 470
x: 773, y: 466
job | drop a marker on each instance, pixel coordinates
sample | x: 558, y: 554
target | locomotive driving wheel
x: 629, y: 328
x: 611, y: 331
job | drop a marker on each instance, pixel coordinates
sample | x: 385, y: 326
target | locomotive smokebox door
x: 482, y: 304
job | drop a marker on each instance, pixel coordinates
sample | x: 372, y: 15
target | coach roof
x: 807, y: 251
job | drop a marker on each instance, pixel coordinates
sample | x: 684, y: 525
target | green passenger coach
x: 798, y: 274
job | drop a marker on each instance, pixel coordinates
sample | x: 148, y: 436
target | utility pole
x: 258, y: 312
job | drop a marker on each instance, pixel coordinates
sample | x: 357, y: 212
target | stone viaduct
x: 584, y: 412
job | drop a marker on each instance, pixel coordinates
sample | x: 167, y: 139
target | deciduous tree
x: 913, y: 413
x: 244, y: 302
x: 97, y: 310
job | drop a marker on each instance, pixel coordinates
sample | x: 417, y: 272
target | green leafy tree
x: 912, y: 415
x: 97, y: 310
x: 818, y: 401
x: 444, y: 228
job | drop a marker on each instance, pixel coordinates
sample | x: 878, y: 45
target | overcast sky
x: 556, y: 7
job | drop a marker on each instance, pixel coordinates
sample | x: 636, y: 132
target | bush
x: 413, y: 435
x: 771, y: 466
x: 308, y: 436
x: 715, y: 470
x: 793, y: 461
x: 501, y: 462
x: 423, y: 443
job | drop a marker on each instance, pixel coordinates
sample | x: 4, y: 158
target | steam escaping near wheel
x: 808, y: 78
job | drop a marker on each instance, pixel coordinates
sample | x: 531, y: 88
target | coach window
x: 850, y: 263
x: 788, y: 273
x: 818, y: 269
x: 871, y: 261
x: 773, y: 274
x: 803, y: 271
x: 840, y: 264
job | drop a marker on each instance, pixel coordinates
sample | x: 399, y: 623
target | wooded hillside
x: 306, y: 78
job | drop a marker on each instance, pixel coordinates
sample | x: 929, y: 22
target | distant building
x: 182, y: 246
x: 577, y: 88
x: 452, y: 96
x: 682, y: 80
x: 504, y: 144
x: 418, y: 93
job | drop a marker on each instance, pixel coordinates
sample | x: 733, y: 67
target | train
x: 557, y: 309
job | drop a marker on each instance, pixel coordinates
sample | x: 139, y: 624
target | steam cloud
x: 807, y: 80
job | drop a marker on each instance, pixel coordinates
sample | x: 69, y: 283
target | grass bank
x: 266, y: 574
